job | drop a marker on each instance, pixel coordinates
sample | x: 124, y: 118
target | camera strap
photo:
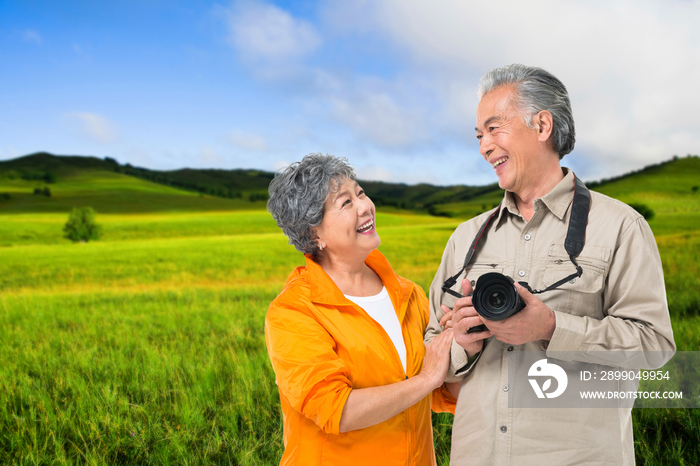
x: 575, y: 239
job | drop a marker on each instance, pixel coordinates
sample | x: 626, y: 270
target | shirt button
x: 510, y: 348
x: 527, y: 237
x: 506, y: 388
x: 572, y: 281
x: 472, y: 283
x: 504, y: 429
x: 521, y: 273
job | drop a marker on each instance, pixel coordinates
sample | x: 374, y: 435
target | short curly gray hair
x: 536, y: 90
x: 298, y: 193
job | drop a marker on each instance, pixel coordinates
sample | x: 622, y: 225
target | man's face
x: 506, y: 142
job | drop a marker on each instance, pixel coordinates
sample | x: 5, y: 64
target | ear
x: 545, y: 125
x: 319, y: 242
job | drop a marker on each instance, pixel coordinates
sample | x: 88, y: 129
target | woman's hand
x: 369, y: 406
x: 437, y: 359
x: 446, y: 320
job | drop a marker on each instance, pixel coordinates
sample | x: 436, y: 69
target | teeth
x: 368, y: 226
x: 498, y: 162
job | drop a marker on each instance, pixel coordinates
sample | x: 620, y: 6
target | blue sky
x: 390, y: 84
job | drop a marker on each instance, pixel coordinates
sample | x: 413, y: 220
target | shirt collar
x: 557, y: 200
x: 325, y: 291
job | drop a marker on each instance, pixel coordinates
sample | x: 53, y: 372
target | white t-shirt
x: 380, y: 308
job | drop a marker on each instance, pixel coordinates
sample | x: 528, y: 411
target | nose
x: 485, y: 146
x: 364, y: 206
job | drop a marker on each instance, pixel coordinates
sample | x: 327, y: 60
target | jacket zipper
x: 388, y: 339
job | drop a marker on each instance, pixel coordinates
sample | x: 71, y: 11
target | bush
x: 258, y: 197
x: 42, y: 192
x: 47, y: 177
x: 5, y: 196
x: 81, y: 225
x: 643, y: 209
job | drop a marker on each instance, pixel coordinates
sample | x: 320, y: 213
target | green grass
x: 177, y: 377
x: 147, y: 346
x: 110, y: 346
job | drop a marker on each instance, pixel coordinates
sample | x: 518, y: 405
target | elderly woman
x: 345, y: 336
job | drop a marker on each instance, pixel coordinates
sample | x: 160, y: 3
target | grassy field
x: 147, y: 346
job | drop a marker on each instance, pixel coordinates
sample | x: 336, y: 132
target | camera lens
x: 495, y: 297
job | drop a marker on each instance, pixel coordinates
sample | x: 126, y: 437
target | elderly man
x: 603, y: 292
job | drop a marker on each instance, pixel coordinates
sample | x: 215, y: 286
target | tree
x: 643, y: 209
x: 81, y: 225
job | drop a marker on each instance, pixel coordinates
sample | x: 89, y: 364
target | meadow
x: 147, y: 347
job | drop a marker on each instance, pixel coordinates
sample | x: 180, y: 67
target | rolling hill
x: 670, y: 189
x: 73, y: 181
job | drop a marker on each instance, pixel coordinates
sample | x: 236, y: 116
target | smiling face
x: 348, y: 228
x: 518, y: 154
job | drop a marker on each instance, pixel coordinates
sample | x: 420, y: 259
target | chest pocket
x: 594, y: 260
x: 475, y: 271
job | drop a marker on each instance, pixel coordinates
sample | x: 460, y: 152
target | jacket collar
x: 556, y: 201
x: 325, y: 291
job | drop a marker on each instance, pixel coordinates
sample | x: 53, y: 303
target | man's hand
x: 461, y: 319
x: 534, y: 322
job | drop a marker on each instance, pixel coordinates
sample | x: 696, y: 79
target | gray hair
x: 537, y: 90
x: 298, y: 193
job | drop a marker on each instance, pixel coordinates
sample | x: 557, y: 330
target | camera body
x: 495, y: 298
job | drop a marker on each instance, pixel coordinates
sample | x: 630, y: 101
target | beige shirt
x: 619, y: 303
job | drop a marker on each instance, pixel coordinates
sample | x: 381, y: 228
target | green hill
x: 101, y: 184
x: 669, y: 189
x: 74, y: 181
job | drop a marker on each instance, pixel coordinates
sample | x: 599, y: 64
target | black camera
x: 495, y: 298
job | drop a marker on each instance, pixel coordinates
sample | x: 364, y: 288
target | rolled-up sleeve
x: 458, y: 357
x: 442, y: 401
x: 309, y: 372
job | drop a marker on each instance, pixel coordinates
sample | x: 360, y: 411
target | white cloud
x: 630, y: 67
x: 93, y: 126
x: 374, y: 173
x: 30, y: 35
x: 247, y: 141
x: 278, y: 165
x: 209, y: 157
x: 260, y: 31
x: 377, y: 117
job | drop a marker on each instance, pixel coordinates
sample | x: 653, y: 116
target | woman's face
x: 348, y: 227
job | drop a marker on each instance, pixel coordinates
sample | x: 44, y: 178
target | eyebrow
x: 345, y: 191
x: 489, y: 120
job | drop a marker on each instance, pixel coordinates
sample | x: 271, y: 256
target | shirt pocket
x: 580, y: 295
x: 593, y: 260
x: 475, y: 271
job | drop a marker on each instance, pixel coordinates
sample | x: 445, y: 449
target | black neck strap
x: 575, y: 238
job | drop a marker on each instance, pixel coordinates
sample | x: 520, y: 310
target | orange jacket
x: 323, y: 345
